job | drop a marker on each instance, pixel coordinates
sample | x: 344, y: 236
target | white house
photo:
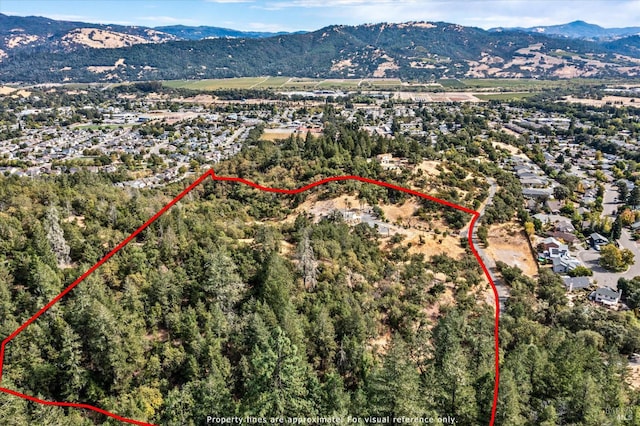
x: 564, y: 264
x: 606, y: 296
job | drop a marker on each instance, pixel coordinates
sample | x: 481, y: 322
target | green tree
x: 634, y: 197
x: 454, y: 391
x: 630, y: 291
x: 222, y: 284
x: 394, y: 387
x: 580, y: 271
x: 616, y: 229
x: 483, y: 235
x: 510, y: 401
x: 614, y: 259
x: 276, y: 376
x: 561, y: 192
x: 623, y: 191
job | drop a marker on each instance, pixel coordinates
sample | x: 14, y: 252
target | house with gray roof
x: 537, y: 192
x: 597, y: 240
x: 576, y: 283
x: 606, y: 296
x: 564, y: 264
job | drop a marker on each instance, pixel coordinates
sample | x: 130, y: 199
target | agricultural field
x: 286, y: 83
x: 216, y: 84
x: 528, y: 84
x: 503, y: 96
x: 519, y: 86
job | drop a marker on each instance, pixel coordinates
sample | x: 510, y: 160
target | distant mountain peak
x: 577, y: 29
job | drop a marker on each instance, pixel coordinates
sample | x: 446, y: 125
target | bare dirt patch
x: 101, y: 69
x: 346, y: 63
x: 4, y: 90
x: 162, y: 335
x: 402, y: 213
x: 419, y: 236
x: 430, y: 167
x: 280, y: 133
x: 508, y: 243
x: 437, y: 97
x: 446, y: 299
x: 18, y: 40
x: 78, y: 220
x: 433, y: 244
x: 382, y: 69
x: 102, y: 39
x: 512, y: 149
x: 198, y: 99
x: 617, y: 101
x: 380, y: 343
x: 633, y: 379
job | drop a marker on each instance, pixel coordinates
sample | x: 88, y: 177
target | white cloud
x: 229, y: 1
x: 483, y: 13
x: 267, y: 27
x: 156, y: 20
x: 73, y: 18
x: 64, y: 17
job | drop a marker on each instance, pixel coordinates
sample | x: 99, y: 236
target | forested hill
x: 416, y: 50
x: 185, y: 32
x: 238, y: 302
x: 35, y: 33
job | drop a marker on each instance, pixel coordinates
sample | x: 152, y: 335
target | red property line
x: 214, y: 177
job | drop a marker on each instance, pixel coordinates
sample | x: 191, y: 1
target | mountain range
x: 37, y: 50
x: 32, y: 32
x: 578, y: 29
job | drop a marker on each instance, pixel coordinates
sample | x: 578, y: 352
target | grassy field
x: 272, y: 82
x: 284, y: 83
x: 528, y: 84
x: 305, y: 84
x: 345, y: 84
x: 451, y: 83
x: 216, y: 84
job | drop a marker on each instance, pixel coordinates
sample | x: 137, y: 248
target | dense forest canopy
x: 242, y: 302
x: 239, y: 302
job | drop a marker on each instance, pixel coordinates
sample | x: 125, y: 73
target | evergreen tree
x: 276, y: 376
x: 616, y: 229
x: 634, y: 197
x: 394, y: 387
x: 308, y: 265
x: 55, y: 236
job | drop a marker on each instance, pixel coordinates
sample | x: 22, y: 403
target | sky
x: 294, y: 15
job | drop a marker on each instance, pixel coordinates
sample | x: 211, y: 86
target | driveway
x: 503, y: 290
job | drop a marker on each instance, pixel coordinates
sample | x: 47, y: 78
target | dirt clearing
x: 508, y: 244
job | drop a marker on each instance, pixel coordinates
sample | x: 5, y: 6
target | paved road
x: 503, y: 290
x: 609, y: 205
x: 591, y: 257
